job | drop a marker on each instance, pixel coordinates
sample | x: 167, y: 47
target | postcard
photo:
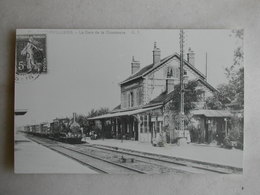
x: 129, y: 101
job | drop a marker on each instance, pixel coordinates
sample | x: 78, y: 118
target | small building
x: 212, y: 124
x: 144, y: 111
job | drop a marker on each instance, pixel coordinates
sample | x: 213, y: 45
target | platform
x: 31, y: 157
x: 197, y: 152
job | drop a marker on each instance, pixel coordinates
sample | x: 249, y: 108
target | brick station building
x: 145, y: 96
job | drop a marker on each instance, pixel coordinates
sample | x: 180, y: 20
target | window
x: 184, y: 72
x: 130, y: 99
x: 202, y: 96
x: 169, y: 71
x: 173, y: 72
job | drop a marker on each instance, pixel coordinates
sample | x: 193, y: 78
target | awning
x: 212, y: 113
x: 20, y: 111
x: 125, y: 113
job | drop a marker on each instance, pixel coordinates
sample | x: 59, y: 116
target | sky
x: 85, y: 67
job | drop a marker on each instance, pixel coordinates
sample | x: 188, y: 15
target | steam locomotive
x: 61, y: 129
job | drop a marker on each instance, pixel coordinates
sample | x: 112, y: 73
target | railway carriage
x: 45, y: 128
x: 36, y: 129
x: 27, y: 129
x: 61, y: 129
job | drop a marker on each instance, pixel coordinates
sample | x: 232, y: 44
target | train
x: 61, y: 129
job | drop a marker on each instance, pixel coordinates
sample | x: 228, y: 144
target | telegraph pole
x: 181, y: 81
x: 182, y: 139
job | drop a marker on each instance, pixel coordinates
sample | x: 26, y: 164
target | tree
x: 93, y: 113
x: 235, y: 73
x: 223, y: 96
x: 192, y: 95
x: 214, y: 102
x: 98, y: 112
x: 82, y: 120
x: 233, y: 91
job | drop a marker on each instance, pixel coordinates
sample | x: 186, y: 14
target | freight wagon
x: 61, y: 129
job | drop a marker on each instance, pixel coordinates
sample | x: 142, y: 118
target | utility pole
x: 181, y: 81
x: 182, y: 139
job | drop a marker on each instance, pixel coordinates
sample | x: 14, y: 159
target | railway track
x: 97, y: 164
x: 117, y: 161
x: 207, y: 167
x: 165, y: 164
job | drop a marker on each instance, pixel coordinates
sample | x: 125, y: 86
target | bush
x: 227, y: 143
x: 234, y: 134
x: 160, y: 144
x: 239, y: 145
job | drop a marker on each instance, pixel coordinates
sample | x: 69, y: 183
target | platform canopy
x: 20, y: 111
x: 125, y: 113
x: 212, y: 113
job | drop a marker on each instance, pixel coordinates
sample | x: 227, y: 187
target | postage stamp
x: 31, y: 60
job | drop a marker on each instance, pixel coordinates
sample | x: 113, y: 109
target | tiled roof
x: 139, y: 73
x: 159, y: 99
x: 125, y: 113
x: 162, y: 98
x: 146, y: 69
x: 151, y: 67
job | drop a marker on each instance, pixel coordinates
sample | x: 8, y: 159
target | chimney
x: 169, y: 85
x: 135, y: 66
x: 156, y: 54
x: 191, y: 57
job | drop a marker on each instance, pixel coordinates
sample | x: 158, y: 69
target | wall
x: 136, y: 88
x: 155, y: 82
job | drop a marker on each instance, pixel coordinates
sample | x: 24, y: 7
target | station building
x: 144, y: 110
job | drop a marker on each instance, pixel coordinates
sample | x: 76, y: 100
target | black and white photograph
x: 135, y: 101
